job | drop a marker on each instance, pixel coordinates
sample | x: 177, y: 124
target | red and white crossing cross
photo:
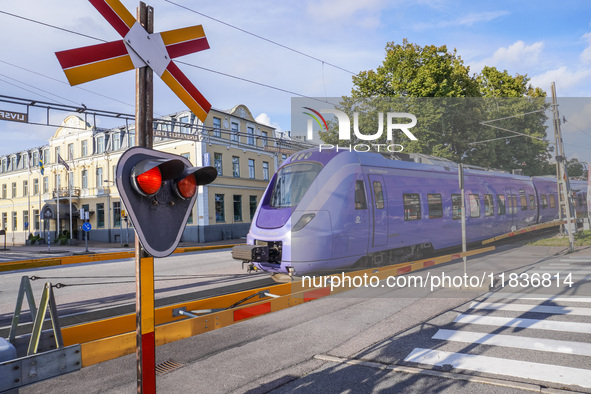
x: 138, y: 49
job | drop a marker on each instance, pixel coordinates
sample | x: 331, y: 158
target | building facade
x: 43, y: 195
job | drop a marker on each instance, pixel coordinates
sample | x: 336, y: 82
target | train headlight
x: 304, y: 220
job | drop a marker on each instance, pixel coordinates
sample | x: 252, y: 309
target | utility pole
x: 565, y: 206
x: 144, y: 263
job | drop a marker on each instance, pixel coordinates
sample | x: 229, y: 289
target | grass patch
x: 582, y: 238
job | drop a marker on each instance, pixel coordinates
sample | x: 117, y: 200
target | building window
x: 100, y: 215
x: 57, y: 153
x: 13, y: 189
x: 236, y: 166
x: 237, y: 208
x: 13, y: 163
x: 217, y: 163
x: 117, y: 214
x: 35, y: 158
x: 250, y: 132
x: 235, y: 132
x: 217, y: 126
x: 251, y: 168
x: 84, y: 148
x: 14, y: 221
x: 474, y: 200
x: 46, y: 155
x: 252, y: 202
x: 36, y: 219
x: 489, y: 207
x: 220, y: 215
x: 116, y: 141
x: 412, y: 206
x: 84, y: 179
x: 4, y: 165
x: 4, y: 221
x: 4, y: 191
x: 99, y: 177
x: 35, y: 186
x: 456, y: 206
x: 265, y: 138
x: 45, y: 184
x: 435, y: 206
x: 25, y: 188
x: 185, y: 129
x: 100, y: 144
x: 70, y: 151
x: 501, y: 204
x: 266, y: 171
x: 25, y: 220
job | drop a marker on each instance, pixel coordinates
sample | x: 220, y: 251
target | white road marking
x: 517, y: 322
x: 551, y: 309
x: 543, y: 297
x: 501, y: 366
x: 541, y: 344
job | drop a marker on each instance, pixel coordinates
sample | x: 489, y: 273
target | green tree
x: 450, y: 126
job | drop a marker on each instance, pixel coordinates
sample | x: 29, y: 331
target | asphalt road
x: 394, y: 340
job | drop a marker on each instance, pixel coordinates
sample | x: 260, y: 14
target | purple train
x: 326, y: 210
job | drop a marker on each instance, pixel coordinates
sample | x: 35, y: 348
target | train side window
x: 532, y: 201
x: 435, y: 206
x: 509, y: 204
x: 456, y: 206
x: 378, y: 194
x: 412, y: 206
x: 501, y: 204
x: 514, y: 204
x: 474, y: 205
x: 523, y: 200
x: 552, y: 200
x: 360, y: 201
x: 543, y: 201
x: 489, y: 205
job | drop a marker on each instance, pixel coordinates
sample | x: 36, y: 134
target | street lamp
x: 10, y: 199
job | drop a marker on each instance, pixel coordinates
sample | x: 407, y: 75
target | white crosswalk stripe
x: 497, y: 338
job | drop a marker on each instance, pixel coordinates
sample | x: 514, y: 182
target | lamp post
x: 10, y: 199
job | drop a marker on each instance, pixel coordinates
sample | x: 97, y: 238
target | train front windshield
x: 293, y: 181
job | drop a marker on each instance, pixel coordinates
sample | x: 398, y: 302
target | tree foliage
x: 450, y: 125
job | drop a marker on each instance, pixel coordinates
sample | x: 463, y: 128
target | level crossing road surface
x: 92, y: 291
x: 403, y: 340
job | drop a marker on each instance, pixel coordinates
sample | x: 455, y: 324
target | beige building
x: 245, y: 153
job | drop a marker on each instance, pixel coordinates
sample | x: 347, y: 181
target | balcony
x: 65, y: 192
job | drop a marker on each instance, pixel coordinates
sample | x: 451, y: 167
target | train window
x: 543, y: 201
x: 412, y: 206
x: 378, y: 194
x: 523, y: 200
x: 435, y: 206
x: 501, y: 204
x: 360, y: 202
x: 532, y: 202
x: 552, y: 200
x: 489, y: 205
x: 293, y: 181
x: 456, y: 206
x: 514, y: 204
x: 510, y: 204
x: 474, y: 205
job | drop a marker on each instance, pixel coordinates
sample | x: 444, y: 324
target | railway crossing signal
x: 159, y: 190
x: 138, y: 49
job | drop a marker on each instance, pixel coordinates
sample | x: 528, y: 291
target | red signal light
x: 187, y: 186
x: 149, y: 182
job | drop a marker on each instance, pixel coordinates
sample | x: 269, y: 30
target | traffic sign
x: 138, y: 49
x: 87, y: 227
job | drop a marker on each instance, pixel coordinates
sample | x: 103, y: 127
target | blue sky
x: 547, y: 40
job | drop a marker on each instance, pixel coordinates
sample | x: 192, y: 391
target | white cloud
x: 468, y: 20
x: 518, y: 53
x: 586, y: 54
x: 564, y: 77
x: 265, y: 119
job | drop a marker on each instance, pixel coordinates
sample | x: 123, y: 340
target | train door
x: 379, y: 210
